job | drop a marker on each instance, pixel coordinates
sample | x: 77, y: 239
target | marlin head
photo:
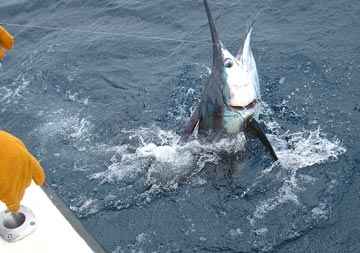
x: 236, y: 78
x: 231, y: 96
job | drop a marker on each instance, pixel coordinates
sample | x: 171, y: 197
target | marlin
x: 231, y: 99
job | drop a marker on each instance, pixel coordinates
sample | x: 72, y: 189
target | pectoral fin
x: 253, y: 126
x: 192, y: 124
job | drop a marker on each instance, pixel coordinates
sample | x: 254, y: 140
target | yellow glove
x: 6, y: 41
x: 17, y: 168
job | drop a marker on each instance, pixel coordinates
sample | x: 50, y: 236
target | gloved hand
x: 17, y: 168
x: 6, y: 41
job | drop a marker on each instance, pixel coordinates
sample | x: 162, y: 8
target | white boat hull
x: 57, y: 228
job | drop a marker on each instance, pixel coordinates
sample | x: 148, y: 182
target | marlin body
x: 230, y: 101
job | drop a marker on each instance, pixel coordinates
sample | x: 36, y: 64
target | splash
x: 71, y: 127
x: 295, y: 151
x: 149, y: 163
x: 160, y: 150
x: 307, y: 148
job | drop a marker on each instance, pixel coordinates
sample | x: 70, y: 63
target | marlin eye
x: 228, y: 63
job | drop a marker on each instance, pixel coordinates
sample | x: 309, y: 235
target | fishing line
x: 106, y: 33
x: 250, y: 25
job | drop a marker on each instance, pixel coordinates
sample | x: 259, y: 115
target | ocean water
x: 100, y: 92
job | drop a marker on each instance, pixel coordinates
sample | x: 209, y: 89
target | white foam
x: 165, y: 155
x: 75, y: 97
x: 85, y: 206
x: 154, y: 156
x: 306, y: 148
x: 70, y: 126
x: 261, y: 231
x: 236, y: 232
x: 320, y: 212
x: 15, y: 91
x: 298, y: 150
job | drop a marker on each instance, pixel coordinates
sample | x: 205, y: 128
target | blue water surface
x: 100, y: 92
